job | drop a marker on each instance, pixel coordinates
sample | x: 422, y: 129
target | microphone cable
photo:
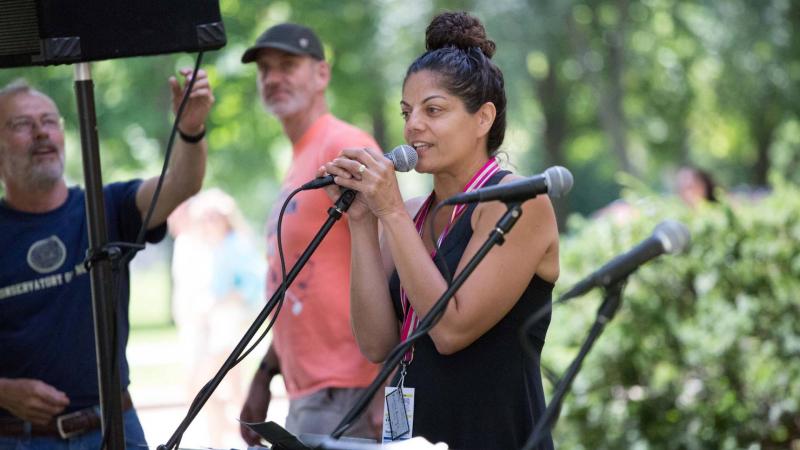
x: 131, y: 249
x: 195, y: 407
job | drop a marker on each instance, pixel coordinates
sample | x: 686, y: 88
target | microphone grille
x: 674, y: 236
x: 404, y: 158
x: 559, y: 181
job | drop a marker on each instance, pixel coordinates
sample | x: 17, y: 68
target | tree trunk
x: 609, y: 88
x: 554, y: 108
x: 763, y: 124
x: 612, y: 115
x: 764, y: 133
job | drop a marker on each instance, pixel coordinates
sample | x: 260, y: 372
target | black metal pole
x: 496, y: 237
x: 605, y: 313
x: 334, y: 214
x: 100, y: 269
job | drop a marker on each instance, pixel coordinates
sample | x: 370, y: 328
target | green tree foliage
x: 598, y: 86
x: 759, y: 55
x: 644, y: 85
x: 704, y: 351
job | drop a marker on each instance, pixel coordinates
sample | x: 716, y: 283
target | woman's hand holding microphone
x: 372, y: 175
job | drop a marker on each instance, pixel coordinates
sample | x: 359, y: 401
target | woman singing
x: 473, y: 385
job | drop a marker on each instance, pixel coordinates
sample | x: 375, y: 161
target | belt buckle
x: 60, y: 425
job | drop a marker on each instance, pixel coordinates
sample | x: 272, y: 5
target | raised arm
x: 187, y: 166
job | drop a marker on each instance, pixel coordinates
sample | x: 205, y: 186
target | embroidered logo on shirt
x: 47, y: 255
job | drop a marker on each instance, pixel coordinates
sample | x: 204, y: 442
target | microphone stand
x: 496, y: 237
x: 606, y: 312
x: 334, y: 213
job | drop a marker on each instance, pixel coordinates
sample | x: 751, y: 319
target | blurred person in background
x: 313, y: 347
x: 695, y: 186
x: 218, y: 284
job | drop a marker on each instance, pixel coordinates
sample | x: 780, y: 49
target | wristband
x: 192, y: 139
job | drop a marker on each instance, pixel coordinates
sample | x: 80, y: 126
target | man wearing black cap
x: 313, y: 346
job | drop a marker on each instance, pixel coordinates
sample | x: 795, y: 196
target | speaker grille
x: 19, y: 27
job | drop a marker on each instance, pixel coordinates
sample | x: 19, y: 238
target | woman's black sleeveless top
x: 488, y: 395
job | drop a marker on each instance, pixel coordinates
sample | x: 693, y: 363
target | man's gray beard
x: 45, y: 176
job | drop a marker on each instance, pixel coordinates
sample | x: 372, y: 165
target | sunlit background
x: 705, y: 352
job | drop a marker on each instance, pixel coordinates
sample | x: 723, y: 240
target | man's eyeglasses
x: 26, y: 124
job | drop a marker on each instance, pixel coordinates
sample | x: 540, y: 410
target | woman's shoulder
x: 509, y: 176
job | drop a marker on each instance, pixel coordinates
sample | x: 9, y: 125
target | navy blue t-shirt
x: 46, y: 325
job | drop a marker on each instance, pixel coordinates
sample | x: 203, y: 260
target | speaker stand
x: 103, y: 308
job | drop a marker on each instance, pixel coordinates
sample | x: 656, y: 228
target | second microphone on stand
x: 669, y: 236
x: 555, y: 181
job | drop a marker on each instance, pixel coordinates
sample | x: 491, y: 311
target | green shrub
x: 704, y: 352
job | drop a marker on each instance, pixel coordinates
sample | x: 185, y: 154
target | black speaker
x: 46, y: 32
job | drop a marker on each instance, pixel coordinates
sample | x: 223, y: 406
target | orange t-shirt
x: 312, y: 336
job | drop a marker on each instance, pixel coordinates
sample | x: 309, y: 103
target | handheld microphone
x: 669, y: 236
x: 555, y: 181
x: 403, y: 157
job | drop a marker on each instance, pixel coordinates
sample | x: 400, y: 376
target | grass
x: 150, y: 296
x: 152, y: 327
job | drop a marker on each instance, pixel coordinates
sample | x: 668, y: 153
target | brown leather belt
x: 64, y: 426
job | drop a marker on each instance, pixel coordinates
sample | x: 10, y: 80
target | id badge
x: 398, y: 413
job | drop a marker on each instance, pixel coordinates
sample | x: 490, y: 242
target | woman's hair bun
x: 458, y: 29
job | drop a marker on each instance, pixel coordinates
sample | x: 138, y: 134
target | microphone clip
x: 342, y: 203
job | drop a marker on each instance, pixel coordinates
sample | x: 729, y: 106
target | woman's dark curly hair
x: 459, y: 51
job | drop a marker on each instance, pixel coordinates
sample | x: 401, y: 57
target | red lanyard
x: 411, y: 320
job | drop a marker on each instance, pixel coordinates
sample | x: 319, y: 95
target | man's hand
x: 31, y: 400
x: 258, y: 397
x: 255, y: 407
x: 188, y: 164
x: 199, y: 104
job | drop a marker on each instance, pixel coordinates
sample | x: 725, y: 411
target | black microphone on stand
x: 555, y: 181
x: 669, y: 236
x: 404, y: 158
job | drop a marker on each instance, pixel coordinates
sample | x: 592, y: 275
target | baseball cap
x: 289, y: 37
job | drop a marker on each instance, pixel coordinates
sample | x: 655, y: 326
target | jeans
x: 134, y: 438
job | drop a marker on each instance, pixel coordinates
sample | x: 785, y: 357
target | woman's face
x: 439, y: 127
x: 691, y: 188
